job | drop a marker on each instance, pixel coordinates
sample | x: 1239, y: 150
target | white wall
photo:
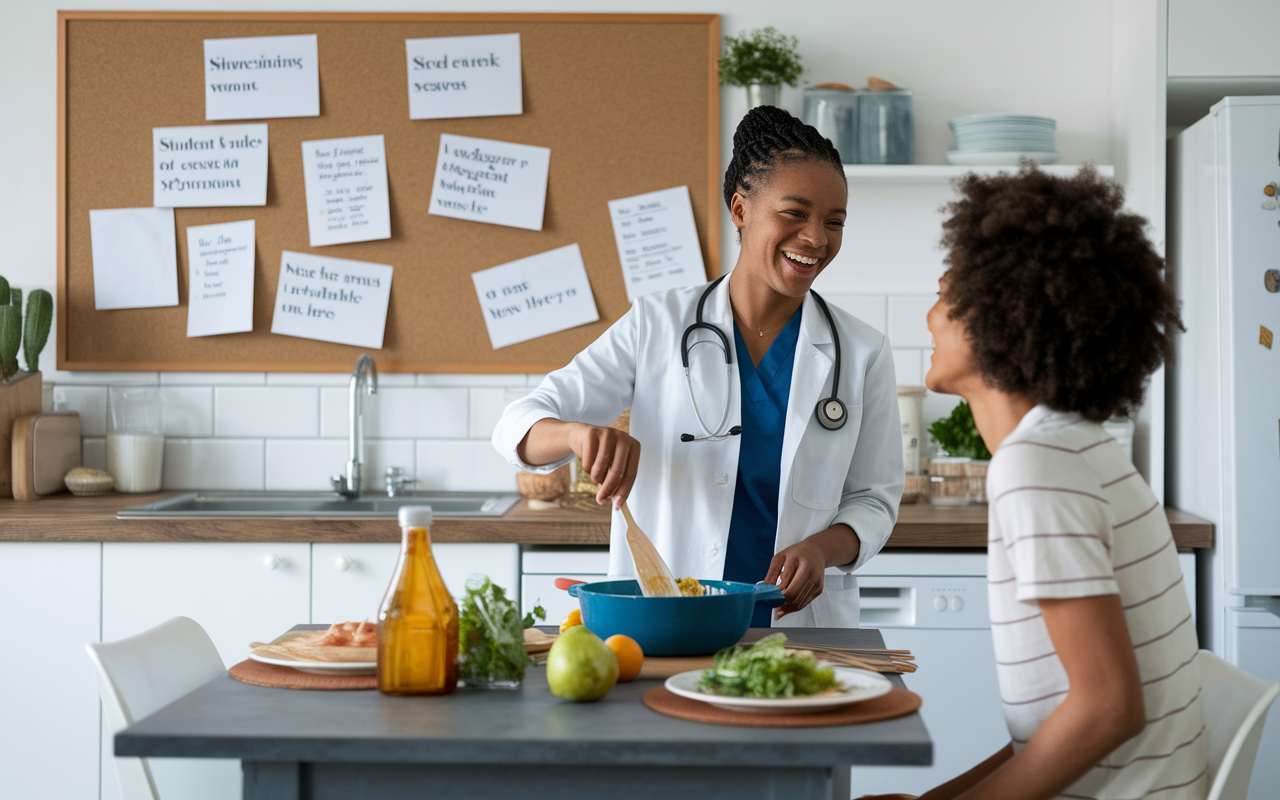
x: 958, y: 58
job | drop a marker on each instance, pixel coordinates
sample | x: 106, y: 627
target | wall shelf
x: 944, y: 173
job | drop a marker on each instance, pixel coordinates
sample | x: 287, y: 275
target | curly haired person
x: 1051, y: 317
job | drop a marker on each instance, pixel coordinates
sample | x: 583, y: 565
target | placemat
x: 898, y: 702
x: 259, y: 674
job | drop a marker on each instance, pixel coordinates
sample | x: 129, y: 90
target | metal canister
x: 832, y: 112
x: 886, y: 127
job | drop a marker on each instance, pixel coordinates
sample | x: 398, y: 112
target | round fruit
x: 580, y: 667
x: 574, y: 618
x: 630, y: 656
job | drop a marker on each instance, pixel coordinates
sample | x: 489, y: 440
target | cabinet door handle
x: 343, y: 563
x: 271, y: 561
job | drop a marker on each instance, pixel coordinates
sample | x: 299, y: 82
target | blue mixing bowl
x: 673, y: 626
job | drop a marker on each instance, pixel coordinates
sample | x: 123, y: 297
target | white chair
x: 144, y: 673
x: 1235, y: 708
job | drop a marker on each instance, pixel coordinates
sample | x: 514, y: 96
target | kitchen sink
x: 323, y: 504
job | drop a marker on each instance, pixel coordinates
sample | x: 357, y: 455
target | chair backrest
x: 1235, y: 708
x: 144, y: 673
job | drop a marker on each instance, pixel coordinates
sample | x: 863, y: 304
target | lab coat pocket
x: 822, y: 462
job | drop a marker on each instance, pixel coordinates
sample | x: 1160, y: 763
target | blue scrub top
x: 753, y: 527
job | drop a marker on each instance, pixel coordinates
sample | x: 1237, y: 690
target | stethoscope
x: 830, y: 412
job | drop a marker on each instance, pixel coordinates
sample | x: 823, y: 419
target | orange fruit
x: 574, y: 619
x: 630, y: 656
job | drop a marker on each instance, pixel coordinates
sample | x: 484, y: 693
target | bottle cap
x: 415, y: 516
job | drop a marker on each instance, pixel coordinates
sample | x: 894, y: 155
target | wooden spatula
x: 654, y: 575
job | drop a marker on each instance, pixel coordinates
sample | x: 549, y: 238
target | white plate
x: 320, y: 667
x: 1006, y: 159
x: 857, y: 685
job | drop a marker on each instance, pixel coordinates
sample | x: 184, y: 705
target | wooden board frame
x: 88, y: 340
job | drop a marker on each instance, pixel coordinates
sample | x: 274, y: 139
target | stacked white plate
x: 1002, y: 140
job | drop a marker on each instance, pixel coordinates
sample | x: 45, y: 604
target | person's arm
x: 958, y: 785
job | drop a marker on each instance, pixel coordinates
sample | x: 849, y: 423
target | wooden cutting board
x: 45, y: 448
x: 666, y: 666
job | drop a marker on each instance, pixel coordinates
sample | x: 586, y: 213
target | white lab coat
x: 683, y: 493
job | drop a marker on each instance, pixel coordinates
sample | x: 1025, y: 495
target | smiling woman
x: 795, y: 471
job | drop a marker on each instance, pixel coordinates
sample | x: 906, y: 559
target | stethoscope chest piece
x: 832, y: 414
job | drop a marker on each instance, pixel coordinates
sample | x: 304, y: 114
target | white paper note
x: 535, y: 296
x: 220, y: 289
x: 657, y: 241
x: 135, y: 258
x: 332, y: 299
x: 210, y: 165
x: 464, y: 76
x: 346, y: 190
x: 260, y: 77
x: 486, y: 181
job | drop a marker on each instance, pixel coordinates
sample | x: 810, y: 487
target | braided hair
x: 767, y: 136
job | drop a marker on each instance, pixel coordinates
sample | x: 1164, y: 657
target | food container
x: 886, y: 127
x: 910, y: 403
x: 975, y: 472
x: 948, y: 484
x: 673, y: 626
x: 135, y: 437
x: 916, y: 490
x: 832, y: 111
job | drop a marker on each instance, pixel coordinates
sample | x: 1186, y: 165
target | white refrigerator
x: 1223, y: 391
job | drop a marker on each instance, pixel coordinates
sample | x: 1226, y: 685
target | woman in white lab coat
x: 776, y: 455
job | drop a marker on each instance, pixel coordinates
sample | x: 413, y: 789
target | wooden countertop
x: 65, y: 518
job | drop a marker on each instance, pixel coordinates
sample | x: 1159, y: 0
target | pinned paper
x: 135, y: 258
x: 220, y: 263
x: 346, y: 190
x: 657, y: 241
x: 261, y: 77
x: 332, y: 299
x: 464, y: 76
x: 486, y: 181
x: 535, y: 296
x: 1265, y: 337
x: 210, y: 165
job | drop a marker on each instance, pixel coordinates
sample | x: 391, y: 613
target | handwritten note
x: 135, y: 258
x: 210, y: 165
x: 332, y: 299
x: 486, y: 181
x: 657, y: 241
x: 260, y: 77
x: 464, y: 76
x: 535, y: 296
x: 346, y: 190
x: 220, y: 265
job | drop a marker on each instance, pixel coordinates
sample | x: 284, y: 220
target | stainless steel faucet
x: 365, y: 376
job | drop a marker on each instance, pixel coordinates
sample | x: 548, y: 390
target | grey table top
x: 229, y: 719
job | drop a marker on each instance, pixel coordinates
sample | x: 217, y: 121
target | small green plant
x: 958, y: 435
x: 760, y: 56
x: 491, y: 634
x: 12, y: 335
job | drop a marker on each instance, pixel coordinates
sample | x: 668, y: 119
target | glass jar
x: 975, y: 472
x: 832, y: 112
x: 491, y: 652
x: 948, y: 484
x: 886, y: 127
x: 135, y: 438
x: 418, y: 620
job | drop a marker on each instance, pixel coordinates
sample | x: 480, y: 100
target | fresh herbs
x: 958, y: 435
x: 491, y: 635
x: 760, y: 56
x: 766, y: 669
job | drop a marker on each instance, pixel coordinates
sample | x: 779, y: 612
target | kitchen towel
x: 898, y: 702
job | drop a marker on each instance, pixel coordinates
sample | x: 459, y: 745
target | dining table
x: 516, y: 743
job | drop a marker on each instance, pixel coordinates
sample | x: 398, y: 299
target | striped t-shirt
x: 1071, y: 517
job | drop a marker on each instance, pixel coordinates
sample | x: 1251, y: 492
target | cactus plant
x: 39, y: 319
x: 35, y: 332
x: 10, y: 330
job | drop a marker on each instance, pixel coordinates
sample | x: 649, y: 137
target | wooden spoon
x: 654, y: 575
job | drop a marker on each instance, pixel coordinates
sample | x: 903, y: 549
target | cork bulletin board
x: 627, y: 104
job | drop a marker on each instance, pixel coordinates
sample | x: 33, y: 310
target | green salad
x: 491, y: 635
x: 766, y: 669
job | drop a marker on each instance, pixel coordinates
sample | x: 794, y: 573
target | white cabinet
x: 1223, y: 38
x: 1253, y: 644
x: 48, y: 693
x: 237, y: 592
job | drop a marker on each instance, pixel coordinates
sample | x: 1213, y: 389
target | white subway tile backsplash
x: 382, y: 453
x: 304, y: 464
x: 188, y: 410
x: 102, y: 378
x: 452, y: 379
x: 336, y: 379
x: 487, y: 406
x: 534, y: 380
x: 907, y: 326
x: 212, y: 378
x: 90, y: 401
x: 333, y: 412
x: 870, y: 308
x: 418, y: 413
x: 266, y: 411
x: 454, y: 465
x: 93, y: 453
x: 906, y: 363
x: 213, y: 464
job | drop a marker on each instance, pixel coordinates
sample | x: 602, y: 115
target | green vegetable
x: 491, y: 635
x: 958, y: 435
x: 766, y: 669
x: 760, y: 56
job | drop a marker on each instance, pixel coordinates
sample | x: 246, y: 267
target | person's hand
x: 798, y: 572
x: 609, y: 456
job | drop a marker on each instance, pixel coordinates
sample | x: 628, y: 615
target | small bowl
x: 85, y: 482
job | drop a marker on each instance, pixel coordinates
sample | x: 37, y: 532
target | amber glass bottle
x: 418, y: 621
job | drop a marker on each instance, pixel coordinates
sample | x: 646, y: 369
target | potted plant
x: 761, y: 60
x: 19, y: 391
x: 960, y: 476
